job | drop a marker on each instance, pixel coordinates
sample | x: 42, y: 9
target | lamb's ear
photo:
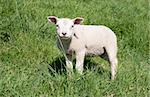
x: 78, y: 20
x: 52, y: 19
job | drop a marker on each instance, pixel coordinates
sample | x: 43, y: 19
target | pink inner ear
x: 52, y: 19
x: 77, y: 21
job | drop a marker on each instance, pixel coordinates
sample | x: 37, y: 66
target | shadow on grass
x: 90, y: 65
x: 58, y: 65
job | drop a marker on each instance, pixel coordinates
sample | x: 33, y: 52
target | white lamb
x: 86, y: 40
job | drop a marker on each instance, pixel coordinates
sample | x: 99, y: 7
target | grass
x: 30, y: 60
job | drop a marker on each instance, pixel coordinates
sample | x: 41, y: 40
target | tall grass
x: 32, y: 66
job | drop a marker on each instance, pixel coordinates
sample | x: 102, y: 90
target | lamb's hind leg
x: 113, y: 63
x: 112, y: 55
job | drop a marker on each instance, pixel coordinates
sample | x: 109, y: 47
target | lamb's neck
x: 66, y: 41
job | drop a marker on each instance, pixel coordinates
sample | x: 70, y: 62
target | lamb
x: 85, y: 40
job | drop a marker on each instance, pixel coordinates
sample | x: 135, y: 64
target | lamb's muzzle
x: 86, y: 40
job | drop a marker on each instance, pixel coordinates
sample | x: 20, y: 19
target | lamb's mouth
x: 65, y: 38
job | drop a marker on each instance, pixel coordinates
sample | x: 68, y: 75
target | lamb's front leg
x: 69, y: 63
x: 80, y: 60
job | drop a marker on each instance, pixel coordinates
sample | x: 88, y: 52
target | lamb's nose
x: 64, y: 34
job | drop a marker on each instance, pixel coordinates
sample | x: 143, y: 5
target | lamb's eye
x: 72, y: 26
x: 57, y: 26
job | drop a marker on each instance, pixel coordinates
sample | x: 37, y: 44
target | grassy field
x: 32, y: 66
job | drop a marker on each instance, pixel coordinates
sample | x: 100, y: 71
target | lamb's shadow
x: 91, y: 65
x: 58, y: 66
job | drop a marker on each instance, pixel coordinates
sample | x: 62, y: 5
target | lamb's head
x: 65, y: 26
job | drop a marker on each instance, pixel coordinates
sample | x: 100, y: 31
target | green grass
x: 28, y: 49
